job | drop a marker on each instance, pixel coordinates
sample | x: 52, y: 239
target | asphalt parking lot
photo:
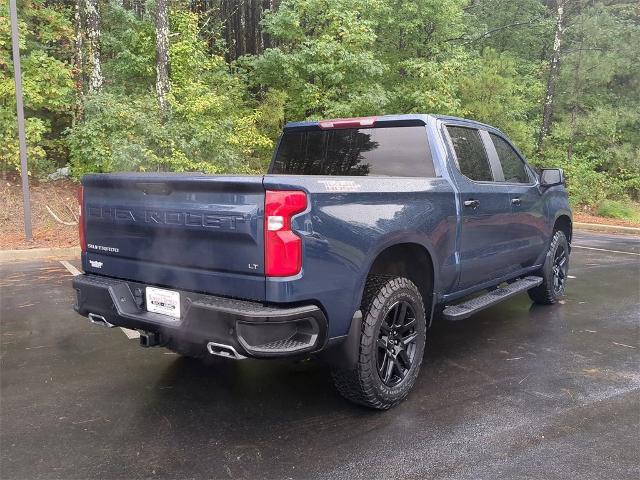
x: 518, y: 391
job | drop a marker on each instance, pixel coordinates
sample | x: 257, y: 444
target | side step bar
x: 470, y: 307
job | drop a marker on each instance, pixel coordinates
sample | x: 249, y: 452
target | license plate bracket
x: 162, y: 301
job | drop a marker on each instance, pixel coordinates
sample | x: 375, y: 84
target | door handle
x: 472, y: 203
x: 516, y: 202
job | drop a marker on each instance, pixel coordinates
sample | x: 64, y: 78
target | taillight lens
x: 81, y: 227
x: 338, y: 123
x: 282, y: 247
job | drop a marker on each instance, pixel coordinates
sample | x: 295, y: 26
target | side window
x: 472, y: 158
x: 512, y: 166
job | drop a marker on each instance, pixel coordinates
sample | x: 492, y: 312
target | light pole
x: 17, y: 73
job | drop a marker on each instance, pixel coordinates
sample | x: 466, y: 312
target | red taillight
x: 81, y: 228
x: 347, y: 123
x: 282, y: 247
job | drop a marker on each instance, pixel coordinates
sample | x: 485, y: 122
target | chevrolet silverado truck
x: 361, y: 230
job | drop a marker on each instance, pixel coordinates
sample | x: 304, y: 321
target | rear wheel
x: 391, y: 345
x: 554, y: 272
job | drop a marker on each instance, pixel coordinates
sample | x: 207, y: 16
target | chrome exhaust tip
x: 99, y: 320
x: 226, y: 351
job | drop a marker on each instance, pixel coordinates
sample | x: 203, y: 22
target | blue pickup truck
x: 362, y: 229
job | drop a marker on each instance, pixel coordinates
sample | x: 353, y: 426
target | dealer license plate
x: 166, y: 302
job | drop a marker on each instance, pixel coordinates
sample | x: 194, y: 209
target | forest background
x: 206, y: 85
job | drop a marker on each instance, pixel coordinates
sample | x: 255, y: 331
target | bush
x: 126, y: 133
x: 209, y: 126
x: 618, y: 209
x: 46, y: 30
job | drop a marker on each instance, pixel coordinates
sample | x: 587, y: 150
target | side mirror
x: 550, y: 177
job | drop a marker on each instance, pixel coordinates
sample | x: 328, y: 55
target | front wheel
x: 391, y: 345
x: 554, y: 272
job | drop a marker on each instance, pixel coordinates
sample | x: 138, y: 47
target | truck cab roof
x: 387, y: 120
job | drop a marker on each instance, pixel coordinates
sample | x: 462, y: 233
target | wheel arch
x: 564, y: 223
x: 411, y: 260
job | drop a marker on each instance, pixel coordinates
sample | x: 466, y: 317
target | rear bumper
x: 251, y: 329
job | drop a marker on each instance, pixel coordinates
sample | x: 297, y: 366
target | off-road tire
x: 363, y: 384
x: 547, y: 293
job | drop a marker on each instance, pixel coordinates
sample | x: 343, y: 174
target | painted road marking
x: 130, y: 333
x: 605, y: 250
x: 623, y: 345
x: 74, y: 271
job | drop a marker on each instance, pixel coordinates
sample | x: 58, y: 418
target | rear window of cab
x: 382, y: 151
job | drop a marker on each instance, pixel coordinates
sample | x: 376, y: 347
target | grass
x: 617, y: 209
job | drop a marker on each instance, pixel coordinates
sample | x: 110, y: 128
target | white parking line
x: 605, y: 250
x: 74, y: 271
x: 130, y: 333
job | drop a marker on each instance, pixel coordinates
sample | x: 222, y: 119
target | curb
x: 7, y: 256
x: 598, y: 227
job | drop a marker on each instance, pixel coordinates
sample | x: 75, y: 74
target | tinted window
x: 512, y: 166
x: 472, y: 158
x: 397, y: 151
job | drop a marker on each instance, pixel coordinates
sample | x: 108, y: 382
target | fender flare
x: 397, y: 238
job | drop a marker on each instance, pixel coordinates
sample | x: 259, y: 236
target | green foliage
x: 208, y: 128
x: 428, y: 86
x: 586, y: 185
x: 617, y: 209
x: 484, y: 59
x: 324, y: 61
x: 598, y: 116
x: 522, y: 28
x: 494, y: 91
x: 46, y: 34
x: 128, y: 45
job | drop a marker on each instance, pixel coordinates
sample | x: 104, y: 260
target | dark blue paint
x: 207, y: 232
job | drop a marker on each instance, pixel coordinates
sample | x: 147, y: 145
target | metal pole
x: 17, y: 73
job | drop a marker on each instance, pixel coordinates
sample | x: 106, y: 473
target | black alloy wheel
x: 554, y: 272
x: 392, y: 344
x: 559, y: 270
x: 396, y: 344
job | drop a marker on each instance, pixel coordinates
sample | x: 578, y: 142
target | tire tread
x: 543, y: 294
x: 355, y: 384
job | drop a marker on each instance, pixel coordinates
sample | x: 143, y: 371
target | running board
x: 468, y: 308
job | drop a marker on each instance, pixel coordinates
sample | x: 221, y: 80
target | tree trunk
x: 238, y: 27
x: 78, y: 61
x: 92, y: 16
x: 228, y: 8
x: 554, y: 71
x: 266, y: 39
x: 251, y: 24
x: 139, y: 8
x: 162, y: 55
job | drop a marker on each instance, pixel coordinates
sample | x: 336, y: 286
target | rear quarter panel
x: 348, y: 222
x: 556, y: 204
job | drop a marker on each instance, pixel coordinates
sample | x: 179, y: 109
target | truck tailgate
x: 200, y: 233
